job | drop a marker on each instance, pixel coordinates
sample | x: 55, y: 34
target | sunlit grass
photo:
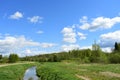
x: 68, y: 71
x: 14, y: 72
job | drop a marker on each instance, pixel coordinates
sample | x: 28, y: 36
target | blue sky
x: 33, y: 27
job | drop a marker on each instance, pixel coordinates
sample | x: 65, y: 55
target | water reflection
x: 30, y: 74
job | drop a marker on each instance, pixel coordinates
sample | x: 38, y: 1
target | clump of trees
x: 117, y: 47
x: 3, y: 59
x: 114, y: 57
x: 13, y: 58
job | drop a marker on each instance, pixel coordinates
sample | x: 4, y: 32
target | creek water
x: 30, y: 74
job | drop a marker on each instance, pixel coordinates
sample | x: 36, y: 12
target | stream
x: 30, y: 74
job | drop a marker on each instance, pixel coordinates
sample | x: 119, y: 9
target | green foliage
x: 117, y: 47
x: 68, y: 71
x: 114, y: 58
x: 13, y: 58
x: 13, y: 72
x: 55, y: 71
x: 0, y: 57
x: 82, y: 56
x: 4, y: 59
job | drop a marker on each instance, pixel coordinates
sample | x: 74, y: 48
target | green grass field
x: 75, y: 71
x: 14, y: 71
x: 63, y: 71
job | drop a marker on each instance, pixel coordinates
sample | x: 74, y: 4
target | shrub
x: 4, y: 59
x: 114, y: 58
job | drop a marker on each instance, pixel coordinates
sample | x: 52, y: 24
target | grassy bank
x: 63, y: 71
x: 75, y: 71
x: 14, y: 71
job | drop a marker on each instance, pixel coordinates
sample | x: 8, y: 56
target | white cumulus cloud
x: 70, y: 47
x: 16, y: 15
x: 35, y: 19
x: 69, y: 35
x: 84, y: 19
x: 10, y: 44
x: 107, y: 49
x: 47, y: 45
x: 108, y: 39
x: 98, y: 23
x: 82, y: 36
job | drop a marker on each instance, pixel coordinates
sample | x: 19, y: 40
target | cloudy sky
x: 30, y: 27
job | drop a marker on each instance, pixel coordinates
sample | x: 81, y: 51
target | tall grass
x: 13, y: 72
x: 69, y: 70
x: 55, y: 71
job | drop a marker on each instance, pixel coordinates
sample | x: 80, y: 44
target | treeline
x: 96, y: 55
x: 11, y: 59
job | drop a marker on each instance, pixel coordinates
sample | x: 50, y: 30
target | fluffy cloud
x: 16, y: 15
x: 107, y: 49
x: 82, y: 36
x: 108, y: 39
x: 35, y: 19
x: 11, y: 44
x: 47, y: 45
x: 84, y: 19
x: 99, y: 22
x: 70, y: 47
x: 28, y: 51
x: 69, y: 35
x: 86, y: 47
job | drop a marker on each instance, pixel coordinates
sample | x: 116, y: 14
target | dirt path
x: 82, y: 77
x: 2, y: 65
x: 111, y: 74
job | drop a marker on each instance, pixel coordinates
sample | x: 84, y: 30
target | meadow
x: 14, y: 71
x: 76, y: 71
x: 65, y: 70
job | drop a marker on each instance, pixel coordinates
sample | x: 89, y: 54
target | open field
x: 75, y: 71
x: 62, y: 71
x: 14, y: 71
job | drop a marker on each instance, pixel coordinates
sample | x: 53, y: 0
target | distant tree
x: 95, y: 47
x: 0, y: 57
x: 96, y: 50
x: 117, y: 46
x: 13, y: 58
x: 4, y: 59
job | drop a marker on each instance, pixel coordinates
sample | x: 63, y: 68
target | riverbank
x: 14, y: 71
x: 9, y: 64
x: 76, y: 71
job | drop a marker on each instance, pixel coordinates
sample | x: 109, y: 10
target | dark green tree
x: 0, y: 57
x: 13, y: 58
x: 116, y: 46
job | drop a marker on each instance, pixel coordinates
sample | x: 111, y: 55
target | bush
x: 4, y: 60
x: 114, y: 58
x: 13, y: 58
